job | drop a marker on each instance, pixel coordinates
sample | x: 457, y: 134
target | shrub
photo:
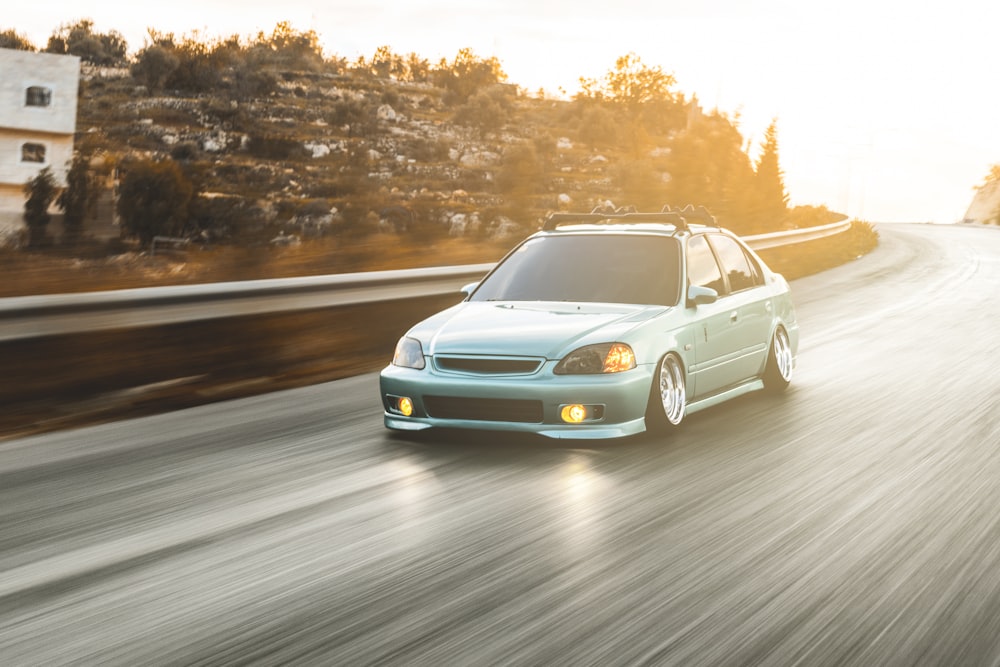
x: 154, y: 200
x: 185, y: 151
x: 79, y: 199
x: 154, y: 66
x: 41, y: 191
x: 79, y: 39
x: 273, y: 147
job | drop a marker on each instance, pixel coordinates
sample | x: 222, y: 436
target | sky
x: 887, y: 110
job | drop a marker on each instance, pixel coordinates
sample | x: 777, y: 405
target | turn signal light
x: 619, y: 358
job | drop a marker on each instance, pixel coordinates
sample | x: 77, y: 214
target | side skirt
x: 723, y: 396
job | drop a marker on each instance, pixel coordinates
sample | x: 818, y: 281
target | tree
x: 11, y: 39
x: 79, y: 39
x: 632, y: 84
x: 154, y: 66
x: 992, y: 177
x: 288, y: 47
x: 40, y: 191
x: 154, y: 200
x: 708, y: 167
x: 198, y: 67
x: 485, y: 111
x: 417, y: 68
x: 357, y: 115
x: 385, y: 64
x: 466, y: 75
x: 641, y: 95
x: 251, y: 79
x: 78, y: 199
x: 773, y: 200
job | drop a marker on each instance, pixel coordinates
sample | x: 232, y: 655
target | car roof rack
x: 674, y: 215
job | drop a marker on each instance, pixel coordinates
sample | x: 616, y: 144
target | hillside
x: 332, y: 154
x: 293, y: 164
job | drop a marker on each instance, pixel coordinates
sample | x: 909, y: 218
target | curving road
x: 853, y: 521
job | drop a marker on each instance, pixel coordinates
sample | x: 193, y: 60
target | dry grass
x: 56, y: 272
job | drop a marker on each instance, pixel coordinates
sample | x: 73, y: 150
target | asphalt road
x: 853, y: 521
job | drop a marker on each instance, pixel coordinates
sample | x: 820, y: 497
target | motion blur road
x: 854, y: 520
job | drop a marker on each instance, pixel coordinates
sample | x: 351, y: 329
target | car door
x: 718, y: 345
x: 749, y: 304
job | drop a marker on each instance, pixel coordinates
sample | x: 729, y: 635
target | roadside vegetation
x: 268, y: 158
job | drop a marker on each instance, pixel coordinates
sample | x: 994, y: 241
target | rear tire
x: 667, y: 396
x: 778, y: 371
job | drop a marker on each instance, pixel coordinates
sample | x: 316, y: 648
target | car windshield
x: 599, y: 268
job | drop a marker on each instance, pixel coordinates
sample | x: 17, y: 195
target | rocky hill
x: 243, y: 145
x: 281, y: 143
x: 338, y: 153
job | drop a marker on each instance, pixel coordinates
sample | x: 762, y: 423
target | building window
x: 33, y: 153
x: 38, y: 96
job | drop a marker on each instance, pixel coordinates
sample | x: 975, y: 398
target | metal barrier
x: 55, y: 314
x: 775, y: 239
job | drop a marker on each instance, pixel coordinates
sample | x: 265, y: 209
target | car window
x: 703, y: 270
x: 609, y: 268
x: 735, y: 263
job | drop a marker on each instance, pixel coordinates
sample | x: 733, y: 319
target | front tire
x: 778, y: 371
x: 667, y: 396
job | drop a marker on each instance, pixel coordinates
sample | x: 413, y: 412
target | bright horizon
x: 885, y: 111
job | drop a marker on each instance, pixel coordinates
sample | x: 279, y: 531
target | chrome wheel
x: 778, y: 372
x: 672, y: 392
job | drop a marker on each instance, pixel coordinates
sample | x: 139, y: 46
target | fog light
x: 405, y: 406
x: 574, y: 414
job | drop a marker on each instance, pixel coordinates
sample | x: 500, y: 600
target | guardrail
x: 775, y: 239
x: 55, y: 314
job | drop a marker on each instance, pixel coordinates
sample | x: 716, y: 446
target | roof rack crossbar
x: 555, y: 219
x: 691, y: 213
x: 675, y: 215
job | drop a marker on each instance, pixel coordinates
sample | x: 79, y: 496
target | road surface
x: 854, y: 520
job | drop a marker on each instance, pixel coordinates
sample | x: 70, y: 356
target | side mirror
x: 701, y: 296
x: 467, y: 290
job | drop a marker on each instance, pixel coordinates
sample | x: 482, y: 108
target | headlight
x: 593, y: 359
x: 408, y: 354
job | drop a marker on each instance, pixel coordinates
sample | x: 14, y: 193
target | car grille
x: 488, y: 365
x: 484, y: 409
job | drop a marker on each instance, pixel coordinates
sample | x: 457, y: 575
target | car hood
x: 540, y: 329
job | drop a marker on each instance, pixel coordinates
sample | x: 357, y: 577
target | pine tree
x: 773, y: 200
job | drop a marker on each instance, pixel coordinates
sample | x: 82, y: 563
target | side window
x: 735, y: 263
x: 38, y: 96
x: 33, y: 153
x: 703, y: 270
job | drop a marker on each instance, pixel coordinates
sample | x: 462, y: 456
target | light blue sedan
x: 601, y: 325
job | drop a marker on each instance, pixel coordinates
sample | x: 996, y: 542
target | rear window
x: 598, y: 268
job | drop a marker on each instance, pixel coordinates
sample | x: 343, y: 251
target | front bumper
x: 622, y: 398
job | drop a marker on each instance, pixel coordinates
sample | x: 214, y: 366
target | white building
x: 37, y: 120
